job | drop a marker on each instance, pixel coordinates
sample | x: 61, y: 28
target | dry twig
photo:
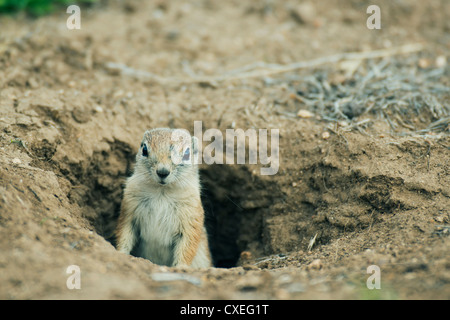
x: 261, y: 69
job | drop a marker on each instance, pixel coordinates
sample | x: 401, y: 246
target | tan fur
x: 164, y: 222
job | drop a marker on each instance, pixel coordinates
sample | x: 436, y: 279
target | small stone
x: 424, y: 63
x: 441, y: 61
x: 98, y: 109
x: 305, y: 114
x: 315, y: 265
x: 325, y: 135
x: 246, y: 255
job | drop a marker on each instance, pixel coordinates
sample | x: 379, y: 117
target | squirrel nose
x: 162, y: 173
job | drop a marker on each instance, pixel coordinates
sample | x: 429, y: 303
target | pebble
x: 424, y: 63
x: 325, y: 135
x: 315, y: 265
x: 441, y: 61
x: 305, y: 114
x: 246, y: 255
x: 98, y: 109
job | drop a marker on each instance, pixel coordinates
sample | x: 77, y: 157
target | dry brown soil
x: 70, y: 126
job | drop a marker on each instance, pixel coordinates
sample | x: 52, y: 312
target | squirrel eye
x: 145, y: 151
x: 187, y: 155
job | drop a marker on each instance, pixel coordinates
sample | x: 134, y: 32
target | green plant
x: 35, y: 7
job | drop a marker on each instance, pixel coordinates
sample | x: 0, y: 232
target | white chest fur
x: 158, y: 226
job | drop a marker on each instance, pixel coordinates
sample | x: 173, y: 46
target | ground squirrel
x: 161, y: 216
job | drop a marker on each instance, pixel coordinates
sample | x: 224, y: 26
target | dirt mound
x: 363, y: 178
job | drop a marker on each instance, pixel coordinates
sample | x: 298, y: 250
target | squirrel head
x: 168, y: 156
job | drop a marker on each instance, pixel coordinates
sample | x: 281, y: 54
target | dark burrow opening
x: 222, y: 223
x: 233, y: 222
